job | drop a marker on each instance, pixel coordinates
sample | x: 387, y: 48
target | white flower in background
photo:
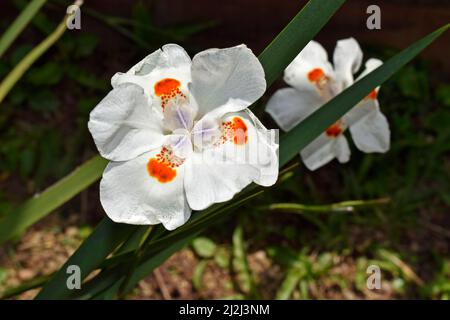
x: 179, y: 136
x: 314, y: 82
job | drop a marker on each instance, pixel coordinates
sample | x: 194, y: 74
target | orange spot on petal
x: 334, y: 130
x: 240, y: 131
x: 166, y: 86
x: 316, y: 75
x: 372, y: 95
x: 161, y: 171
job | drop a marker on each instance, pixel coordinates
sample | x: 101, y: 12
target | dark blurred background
x: 43, y: 137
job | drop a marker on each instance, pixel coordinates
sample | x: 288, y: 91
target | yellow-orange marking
x: 163, y: 166
x: 334, y: 130
x: 167, y: 89
x: 372, y: 95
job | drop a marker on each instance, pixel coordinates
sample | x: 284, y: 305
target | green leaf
x: 85, y: 45
x: 156, y: 260
x: 16, y: 74
x: 443, y: 94
x: 19, y: 24
x: 197, y: 274
x: 23, y: 287
x: 296, y: 35
x: 44, y: 101
x: 240, y: 264
x: 48, y: 74
x: 105, y: 238
x: 293, y: 276
x: 3, y: 275
x: 222, y: 258
x: 204, y: 247
x: 42, y: 204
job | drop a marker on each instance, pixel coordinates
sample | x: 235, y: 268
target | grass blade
x: 41, y: 204
x: 296, y: 35
x: 240, y: 265
x: 11, y: 79
x: 105, y: 238
x: 290, y: 282
x: 344, y: 206
x: 19, y: 24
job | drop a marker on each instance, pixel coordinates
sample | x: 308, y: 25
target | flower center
x: 168, y: 89
x: 326, y: 86
x: 163, y: 166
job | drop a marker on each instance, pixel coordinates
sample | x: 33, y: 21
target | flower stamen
x: 168, y: 89
x: 162, y: 167
x: 235, y: 131
x: 318, y: 78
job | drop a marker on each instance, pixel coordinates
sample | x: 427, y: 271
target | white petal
x: 347, y: 59
x: 341, y: 149
x: 324, y: 149
x: 232, y: 105
x: 312, y: 58
x: 370, y: 65
x: 372, y: 133
x: 370, y: 103
x: 288, y: 107
x: 222, y: 74
x: 207, y: 130
x: 123, y: 125
x: 267, y: 148
x: 318, y: 153
x: 207, y: 183
x: 171, y: 62
x: 361, y: 111
x: 217, y: 174
x: 130, y: 195
x: 179, y: 116
x: 180, y: 143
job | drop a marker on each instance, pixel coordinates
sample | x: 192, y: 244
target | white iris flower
x: 314, y: 82
x: 179, y: 136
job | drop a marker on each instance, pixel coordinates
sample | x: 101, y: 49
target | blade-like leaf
x: 19, y: 24
x: 296, y: 35
x: 103, y: 240
x: 344, y: 206
x: 11, y: 79
x: 59, y: 193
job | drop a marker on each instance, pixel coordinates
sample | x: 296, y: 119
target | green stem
x: 19, y: 24
x: 14, y: 76
x: 344, y: 206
